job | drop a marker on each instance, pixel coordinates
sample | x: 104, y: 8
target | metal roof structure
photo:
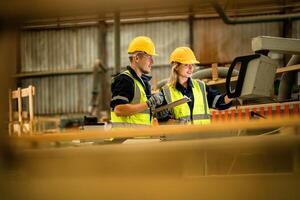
x: 45, y: 9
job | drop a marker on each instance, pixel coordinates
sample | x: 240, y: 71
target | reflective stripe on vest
x: 139, y: 119
x: 201, y: 114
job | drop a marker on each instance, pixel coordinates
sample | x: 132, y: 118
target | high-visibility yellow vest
x: 139, y: 119
x: 201, y: 114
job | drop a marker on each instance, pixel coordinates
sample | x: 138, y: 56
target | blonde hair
x: 174, y: 76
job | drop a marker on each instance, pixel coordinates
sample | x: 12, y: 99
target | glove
x: 155, y: 100
x: 162, y: 114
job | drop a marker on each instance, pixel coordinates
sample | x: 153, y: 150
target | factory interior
x: 181, y: 99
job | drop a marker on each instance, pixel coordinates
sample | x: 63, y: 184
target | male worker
x: 132, y: 101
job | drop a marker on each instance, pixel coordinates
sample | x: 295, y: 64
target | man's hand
x: 155, y: 100
x: 227, y: 100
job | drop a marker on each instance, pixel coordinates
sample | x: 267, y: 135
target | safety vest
x: 201, y: 114
x: 139, y: 119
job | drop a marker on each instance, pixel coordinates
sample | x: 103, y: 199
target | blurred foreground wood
x: 236, y: 167
x: 229, y: 128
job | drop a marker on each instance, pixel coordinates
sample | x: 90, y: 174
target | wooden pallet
x: 21, y: 126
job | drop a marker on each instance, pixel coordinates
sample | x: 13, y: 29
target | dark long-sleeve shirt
x: 122, y: 88
x: 214, y: 98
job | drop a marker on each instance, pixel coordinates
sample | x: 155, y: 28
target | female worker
x: 180, y: 84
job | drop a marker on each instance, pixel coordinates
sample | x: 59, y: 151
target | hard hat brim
x: 131, y: 53
x: 189, y: 62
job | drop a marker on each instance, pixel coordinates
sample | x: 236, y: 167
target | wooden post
x: 10, y: 110
x: 20, y: 119
x: 31, y: 112
x: 105, y: 74
x: 191, y: 31
x: 214, y: 71
x: 117, y: 41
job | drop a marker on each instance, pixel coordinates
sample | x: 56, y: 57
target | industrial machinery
x: 255, y: 79
x: 257, y: 71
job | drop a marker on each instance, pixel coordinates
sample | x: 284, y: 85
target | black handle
x: 244, y: 60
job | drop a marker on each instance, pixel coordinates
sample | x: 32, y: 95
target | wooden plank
x: 171, y: 170
x: 288, y: 69
x: 167, y: 130
x: 25, y: 92
x: 221, y: 81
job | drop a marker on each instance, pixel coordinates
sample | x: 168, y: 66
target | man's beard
x: 144, y: 71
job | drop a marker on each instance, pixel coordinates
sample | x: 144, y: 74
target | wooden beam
x: 221, y: 81
x: 288, y: 69
x: 54, y: 73
x: 167, y: 130
x: 214, y: 71
x: 31, y: 111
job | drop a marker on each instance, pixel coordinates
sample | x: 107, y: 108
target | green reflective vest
x: 201, y: 114
x: 139, y: 119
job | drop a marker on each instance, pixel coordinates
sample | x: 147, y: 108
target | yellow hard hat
x: 142, y: 43
x: 183, y: 55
